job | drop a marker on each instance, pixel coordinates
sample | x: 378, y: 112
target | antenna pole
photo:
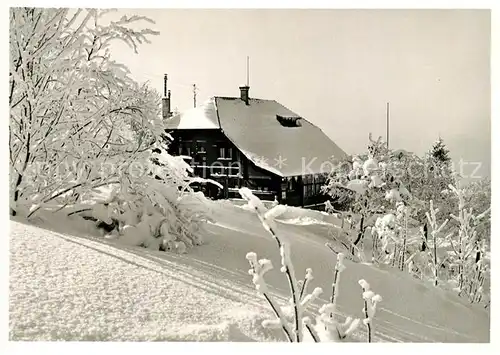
x: 387, y: 125
x: 165, y: 85
x: 194, y: 94
x: 248, y: 71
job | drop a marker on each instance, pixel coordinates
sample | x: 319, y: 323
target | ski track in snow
x: 70, y: 288
x: 65, y: 287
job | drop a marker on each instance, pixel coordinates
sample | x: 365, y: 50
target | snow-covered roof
x: 201, y: 117
x: 258, y: 133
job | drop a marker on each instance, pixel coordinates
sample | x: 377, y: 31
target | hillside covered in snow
x: 78, y: 287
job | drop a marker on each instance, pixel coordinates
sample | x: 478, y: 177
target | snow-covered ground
x: 72, y: 287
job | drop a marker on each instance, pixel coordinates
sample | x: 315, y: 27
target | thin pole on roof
x: 248, y: 70
x: 387, y: 125
x: 165, y: 85
x: 194, y: 94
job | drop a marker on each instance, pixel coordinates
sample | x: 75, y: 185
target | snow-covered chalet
x: 256, y: 143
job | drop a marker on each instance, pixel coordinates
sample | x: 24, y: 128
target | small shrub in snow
x: 467, y: 256
x: 370, y: 306
x: 390, y: 236
x: 290, y: 319
x: 436, y: 229
x: 327, y: 325
x: 266, y: 218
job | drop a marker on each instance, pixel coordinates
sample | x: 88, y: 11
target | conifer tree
x: 439, y: 153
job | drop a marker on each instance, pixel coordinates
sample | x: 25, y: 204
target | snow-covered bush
x: 477, y: 195
x: 151, y: 212
x: 425, y: 262
x: 375, y: 181
x: 397, y: 196
x: 382, y: 177
x: 456, y: 254
x: 290, y: 318
x: 437, y: 241
x: 370, y: 306
x: 390, y: 237
x: 327, y: 326
x: 467, y: 255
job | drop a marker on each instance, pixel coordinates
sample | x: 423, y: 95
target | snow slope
x: 65, y: 287
x: 71, y: 288
x: 411, y: 310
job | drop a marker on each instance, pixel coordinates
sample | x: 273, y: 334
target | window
x: 292, y: 121
x: 233, y: 183
x: 309, y: 190
x: 185, y: 148
x: 200, y: 146
x: 234, y: 170
x: 225, y: 153
x: 222, y: 152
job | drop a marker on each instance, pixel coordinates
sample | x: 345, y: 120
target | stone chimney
x: 165, y: 101
x: 244, y: 94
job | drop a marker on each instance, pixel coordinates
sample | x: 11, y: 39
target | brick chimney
x: 244, y: 94
x: 165, y: 101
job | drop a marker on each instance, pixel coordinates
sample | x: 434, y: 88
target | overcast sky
x: 336, y: 68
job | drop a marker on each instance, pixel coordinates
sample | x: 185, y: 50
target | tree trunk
x: 20, y: 174
x: 403, y: 253
x: 426, y: 235
x: 361, y: 230
x: 435, y: 262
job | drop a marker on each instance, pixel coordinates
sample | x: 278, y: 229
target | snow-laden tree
x: 374, y: 180
x: 477, y: 195
x: 390, y: 236
x: 72, y: 108
x: 440, y: 153
x: 400, y: 193
x: 426, y: 263
x: 456, y: 250
x: 377, y: 180
x: 430, y: 183
x: 467, y: 261
x: 79, y: 123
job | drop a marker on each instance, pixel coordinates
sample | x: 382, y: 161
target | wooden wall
x: 214, y: 156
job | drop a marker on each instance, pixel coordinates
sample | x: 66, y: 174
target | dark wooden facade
x: 213, y: 156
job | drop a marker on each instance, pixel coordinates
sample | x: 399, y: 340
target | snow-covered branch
x: 291, y: 318
x: 370, y: 306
